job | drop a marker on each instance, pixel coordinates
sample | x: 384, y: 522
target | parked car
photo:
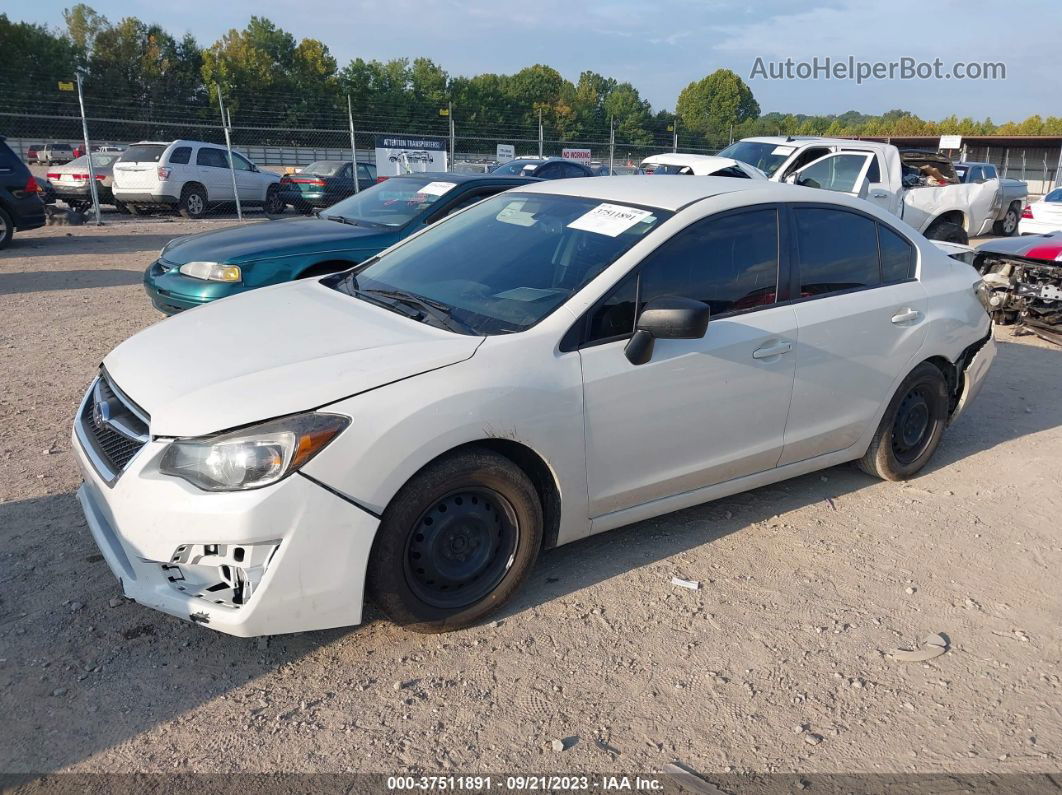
x: 920, y: 187
x: 21, y: 207
x: 32, y: 152
x: 194, y: 270
x: 1023, y: 279
x: 55, y: 153
x: 71, y: 182
x: 324, y: 182
x: 1010, y: 194
x: 110, y: 148
x: 549, y: 168
x: 1041, y: 217
x: 552, y: 362
x: 699, y: 165
x: 190, y: 176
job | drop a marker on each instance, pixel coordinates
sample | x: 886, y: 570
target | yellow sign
x: 66, y: 86
x: 444, y: 111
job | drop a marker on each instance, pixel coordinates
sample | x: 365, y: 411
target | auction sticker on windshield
x: 609, y: 219
x: 436, y: 188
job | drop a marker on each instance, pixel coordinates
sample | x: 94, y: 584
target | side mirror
x: 670, y: 317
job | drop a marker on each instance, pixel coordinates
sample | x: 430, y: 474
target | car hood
x: 270, y: 352
x: 269, y: 239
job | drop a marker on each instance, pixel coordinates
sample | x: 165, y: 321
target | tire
x: 7, y: 228
x: 135, y: 209
x: 1007, y: 226
x: 948, y: 232
x: 122, y: 207
x: 79, y: 206
x: 911, y: 428
x: 193, y: 202
x: 274, y: 205
x: 426, y: 572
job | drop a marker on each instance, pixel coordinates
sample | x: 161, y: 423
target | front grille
x: 111, y: 427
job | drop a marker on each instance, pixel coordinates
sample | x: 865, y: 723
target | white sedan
x: 1044, y: 216
x: 552, y: 362
x: 676, y: 163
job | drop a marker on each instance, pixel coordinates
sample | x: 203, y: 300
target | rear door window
x: 836, y: 251
x: 214, y: 158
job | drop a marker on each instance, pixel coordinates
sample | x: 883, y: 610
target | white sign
x: 951, y: 142
x: 506, y: 152
x: 398, y: 154
x: 609, y: 219
x: 579, y: 155
x: 437, y: 188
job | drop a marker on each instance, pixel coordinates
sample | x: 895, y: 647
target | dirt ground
x: 774, y: 664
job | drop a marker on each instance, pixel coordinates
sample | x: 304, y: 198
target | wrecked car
x: 1023, y: 280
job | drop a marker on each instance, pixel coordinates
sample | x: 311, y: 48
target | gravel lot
x: 774, y: 664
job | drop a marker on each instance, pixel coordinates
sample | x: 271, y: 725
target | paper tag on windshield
x: 783, y: 150
x: 609, y: 219
x: 436, y: 188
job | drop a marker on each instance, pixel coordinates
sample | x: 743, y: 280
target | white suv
x: 191, y: 175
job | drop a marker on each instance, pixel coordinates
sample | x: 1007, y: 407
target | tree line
x: 137, y: 70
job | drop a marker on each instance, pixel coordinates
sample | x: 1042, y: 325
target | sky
x: 662, y: 45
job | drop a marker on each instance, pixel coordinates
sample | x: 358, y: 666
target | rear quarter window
x: 181, y: 155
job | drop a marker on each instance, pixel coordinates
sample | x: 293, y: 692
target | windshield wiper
x: 339, y: 218
x: 442, y: 313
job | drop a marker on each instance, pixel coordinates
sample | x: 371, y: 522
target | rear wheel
x: 193, y: 202
x: 274, y: 204
x: 7, y: 228
x: 911, y: 429
x: 79, y: 206
x: 948, y: 232
x: 456, y: 542
x: 1008, y: 224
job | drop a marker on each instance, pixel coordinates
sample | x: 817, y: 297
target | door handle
x: 906, y: 316
x: 879, y: 194
x: 768, y: 351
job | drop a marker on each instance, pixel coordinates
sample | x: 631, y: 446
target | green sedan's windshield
x: 504, y: 264
x: 393, y: 202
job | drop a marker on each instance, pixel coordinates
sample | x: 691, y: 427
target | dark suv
x: 20, y: 206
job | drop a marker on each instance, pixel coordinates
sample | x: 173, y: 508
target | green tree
x: 711, y: 105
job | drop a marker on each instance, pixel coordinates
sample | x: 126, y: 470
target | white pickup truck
x: 920, y: 187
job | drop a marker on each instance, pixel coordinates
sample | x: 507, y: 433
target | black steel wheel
x: 912, y: 426
x: 456, y: 542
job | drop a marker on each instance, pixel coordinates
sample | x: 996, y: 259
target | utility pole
x: 540, y: 132
x: 226, y: 122
x: 611, y: 143
x: 353, y: 147
x: 674, y: 139
x: 88, y: 152
x: 453, y: 139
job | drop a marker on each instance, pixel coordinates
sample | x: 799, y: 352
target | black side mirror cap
x: 669, y: 317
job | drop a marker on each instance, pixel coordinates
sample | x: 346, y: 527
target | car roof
x: 673, y: 192
x: 341, y: 162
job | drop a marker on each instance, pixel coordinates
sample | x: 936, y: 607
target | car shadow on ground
x: 44, y: 281
x: 86, y: 675
x: 82, y: 240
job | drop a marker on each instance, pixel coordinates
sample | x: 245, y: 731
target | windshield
x: 142, y: 153
x: 1054, y: 196
x: 392, y: 203
x: 506, y: 263
x: 663, y: 168
x: 765, y: 156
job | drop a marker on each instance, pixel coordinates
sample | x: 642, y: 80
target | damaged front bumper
x: 289, y: 557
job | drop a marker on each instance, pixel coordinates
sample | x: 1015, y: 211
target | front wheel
x: 456, y: 542
x: 274, y: 204
x: 910, y: 431
x: 1008, y: 224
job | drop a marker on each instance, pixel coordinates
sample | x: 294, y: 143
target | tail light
x: 31, y: 185
x: 52, y: 175
x: 381, y: 179
x: 1027, y: 212
x: 319, y: 183
x: 164, y: 172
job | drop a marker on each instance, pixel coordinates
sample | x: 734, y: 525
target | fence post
x: 674, y: 139
x: 353, y: 147
x: 611, y: 143
x: 225, y: 122
x: 540, y: 132
x: 88, y: 152
x: 453, y: 140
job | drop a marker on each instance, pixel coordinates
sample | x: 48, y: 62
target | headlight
x: 252, y: 457
x: 212, y: 271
